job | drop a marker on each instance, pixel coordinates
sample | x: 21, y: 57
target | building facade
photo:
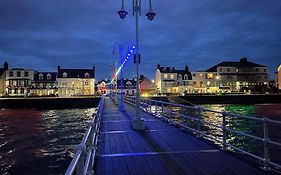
x: 236, y: 76
x: 18, y: 81
x: 168, y: 80
x: 76, y: 82
x: 147, y: 86
x: 44, y: 84
x: 278, y: 77
x: 3, y: 79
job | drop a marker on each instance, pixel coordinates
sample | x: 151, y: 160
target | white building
x: 44, y: 84
x: 168, y: 80
x: 236, y: 76
x: 3, y: 79
x: 75, y: 82
x: 18, y: 81
x: 278, y: 77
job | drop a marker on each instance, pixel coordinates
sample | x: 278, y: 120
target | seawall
x: 50, y: 102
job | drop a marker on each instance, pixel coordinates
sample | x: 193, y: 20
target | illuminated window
x: 72, y: 83
x: 86, y: 83
x: 172, y: 76
x: 210, y: 76
x: 165, y: 76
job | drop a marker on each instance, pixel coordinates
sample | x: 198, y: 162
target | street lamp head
x: 150, y: 15
x: 122, y: 13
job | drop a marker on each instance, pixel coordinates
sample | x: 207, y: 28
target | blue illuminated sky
x: 80, y: 33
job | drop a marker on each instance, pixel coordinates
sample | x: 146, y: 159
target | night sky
x: 41, y: 34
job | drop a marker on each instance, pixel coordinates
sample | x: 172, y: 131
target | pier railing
x: 84, y: 158
x: 193, y: 118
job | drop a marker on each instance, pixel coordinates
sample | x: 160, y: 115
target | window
x: 87, y: 75
x: 11, y: 74
x: 72, y: 83
x: 220, y: 69
x: 194, y: 75
x: 210, y: 76
x: 18, y: 74
x: 49, y: 77
x: 40, y: 76
x: 16, y: 91
x: 185, y: 77
x: 179, y: 76
x: 264, y: 70
x: 86, y: 83
x: 64, y: 75
x: 22, y: 90
x: 165, y: 76
x: 26, y: 74
x: 172, y: 76
x: 228, y: 70
x: 257, y: 70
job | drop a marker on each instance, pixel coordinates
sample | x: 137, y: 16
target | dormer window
x: 171, y: 69
x: 185, y: 77
x: 164, y: 69
x: 87, y: 75
x: 64, y: 75
x: 40, y: 76
x: 180, y: 76
x: 49, y: 76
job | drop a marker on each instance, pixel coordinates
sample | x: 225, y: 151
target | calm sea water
x: 40, y: 142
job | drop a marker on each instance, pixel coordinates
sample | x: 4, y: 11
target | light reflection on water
x: 40, y: 142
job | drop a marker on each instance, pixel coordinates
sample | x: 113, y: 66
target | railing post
x: 223, y: 126
x: 150, y: 106
x: 162, y: 112
x: 170, y: 112
x: 199, y: 111
x: 266, y: 145
x: 80, y: 164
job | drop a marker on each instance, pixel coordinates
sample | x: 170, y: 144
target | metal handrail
x: 165, y: 111
x: 84, y: 157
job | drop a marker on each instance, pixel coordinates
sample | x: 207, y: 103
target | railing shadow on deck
x: 253, y: 139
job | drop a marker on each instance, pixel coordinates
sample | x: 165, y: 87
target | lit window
x: 210, y: 76
x: 172, y: 76
x: 165, y: 76
x: 72, y: 83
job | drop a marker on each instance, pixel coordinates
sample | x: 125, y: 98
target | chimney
x: 94, y: 69
x: 158, y: 66
x: 58, y: 68
x: 244, y: 60
x: 186, y: 68
x: 6, y: 66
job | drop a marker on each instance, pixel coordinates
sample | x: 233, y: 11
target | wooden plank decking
x: 160, y: 149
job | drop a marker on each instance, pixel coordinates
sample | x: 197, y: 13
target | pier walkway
x: 161, y: 149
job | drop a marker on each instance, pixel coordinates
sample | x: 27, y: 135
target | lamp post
x: 121, y: 48
x: 138, y: 122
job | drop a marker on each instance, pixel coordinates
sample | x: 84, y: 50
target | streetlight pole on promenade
x: 138, y: 122
x: 121, y: 48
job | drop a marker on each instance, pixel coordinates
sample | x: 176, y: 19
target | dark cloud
x: 43, y: 34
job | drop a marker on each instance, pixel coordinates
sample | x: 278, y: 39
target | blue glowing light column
x: 121, y: 48
x: 138, y: 122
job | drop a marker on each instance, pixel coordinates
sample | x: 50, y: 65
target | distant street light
x: 138, y: 122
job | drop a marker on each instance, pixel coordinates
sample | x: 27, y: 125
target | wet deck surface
x: 160, y: 149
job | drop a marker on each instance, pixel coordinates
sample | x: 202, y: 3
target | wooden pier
x: 161, y: 149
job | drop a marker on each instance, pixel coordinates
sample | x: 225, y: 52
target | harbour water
x: 42, y: 141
